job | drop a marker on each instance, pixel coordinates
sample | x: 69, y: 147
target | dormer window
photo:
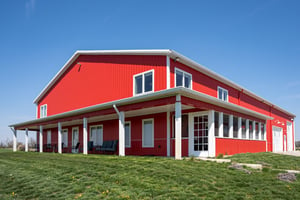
x: 43, y: 111
x: 183, y: 79
x: 143, y: 82
x: 222, y: 94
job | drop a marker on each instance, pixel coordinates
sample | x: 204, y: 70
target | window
x: 184, y: 126
x: 225, y: 125
x: 43, y: 111
x: 49, y: 137
x: 256, y: 131
x: 96, y: 135
x: 216, y: 124
x: 127, y: 134
x: 262, y: 131
x: 222, y: 94
x: 235, y: 127
x: 243, y: 128
x: 64, y: 138
x: 148, y: 133
x: 143, y: 82
x: 75, y: 136
x: 251, y: 130
x: 183, y: 79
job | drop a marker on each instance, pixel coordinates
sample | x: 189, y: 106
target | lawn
x: 75, y: 176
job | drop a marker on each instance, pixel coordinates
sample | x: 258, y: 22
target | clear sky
x: 255, y: 43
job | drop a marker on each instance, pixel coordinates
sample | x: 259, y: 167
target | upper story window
x: 43, y: 111
x: 222, y: 94
x: 143, y: 82
x: 183, y: 79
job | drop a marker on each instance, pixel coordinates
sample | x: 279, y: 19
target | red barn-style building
x: 152, y: 102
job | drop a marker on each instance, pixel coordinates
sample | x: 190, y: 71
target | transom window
x: 143, y: 82
x: 183, y: 79
x: 222, y: 94
x: 43, y: 111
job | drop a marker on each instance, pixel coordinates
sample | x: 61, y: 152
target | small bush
x: 220, y: 155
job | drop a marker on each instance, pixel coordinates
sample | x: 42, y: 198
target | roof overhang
x: 148, y: 97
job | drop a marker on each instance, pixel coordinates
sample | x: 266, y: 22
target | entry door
x: 75, y: 136
x: 289, y: 132
x: 198, y: 135
x: 277, y: 139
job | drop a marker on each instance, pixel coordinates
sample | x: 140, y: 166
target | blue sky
x: 254, y: 43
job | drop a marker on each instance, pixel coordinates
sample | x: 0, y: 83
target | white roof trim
x: 173, y: 54
x: 147, y: 97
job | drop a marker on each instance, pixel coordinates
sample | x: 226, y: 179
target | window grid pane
x: 179, y: 78
x: 148, y: 82
x: 139, y: 84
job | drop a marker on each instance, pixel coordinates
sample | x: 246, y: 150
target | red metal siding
x: 101, y: 79
x: 184, y: 147
x: 227, y: 146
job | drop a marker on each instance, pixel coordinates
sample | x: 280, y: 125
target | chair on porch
x: 90, y: 146
x: 75, y: 148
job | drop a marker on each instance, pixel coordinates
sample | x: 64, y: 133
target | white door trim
x: 191, y: 135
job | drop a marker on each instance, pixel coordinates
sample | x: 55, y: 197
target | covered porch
x: 160, y: 115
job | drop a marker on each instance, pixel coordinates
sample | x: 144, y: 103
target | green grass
x: 75, y: 176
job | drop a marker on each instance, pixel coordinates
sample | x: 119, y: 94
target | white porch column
x: 178, y: 127
x: 230, y: 126
x: 240, y: 128
x: 168, y: 134
x: 247, y: 128
x: 220, y: 124
x: 211, y: 134
x: 85, y: 136
x: 41, y: 138
x: 121, y: 134
x: 59, y: 138
x: 14, y: 139
x: 26, y: 140
x: 259, y: 130
x: 253, y: 130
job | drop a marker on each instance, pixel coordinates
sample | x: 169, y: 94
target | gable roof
x: 165, y: 52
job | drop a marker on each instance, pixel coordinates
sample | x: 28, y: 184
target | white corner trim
x: 168, y: 69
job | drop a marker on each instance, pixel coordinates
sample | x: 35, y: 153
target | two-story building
x: 153, y: 102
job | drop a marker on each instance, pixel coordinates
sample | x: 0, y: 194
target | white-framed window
x: 64, y: 133
x: 148, y: 133
x: 75, y: 136
x: 222, y: 94
x: 96, y: 135
x: 43, y: 111
x: 127, y: 134
x: 183, y: 78
x: 143, y: 82
x: 49, y: 137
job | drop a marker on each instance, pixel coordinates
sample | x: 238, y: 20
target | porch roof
x: 144, y: 98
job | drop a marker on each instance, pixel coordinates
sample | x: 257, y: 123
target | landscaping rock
x: 239, y: 167
x: 287, y: 177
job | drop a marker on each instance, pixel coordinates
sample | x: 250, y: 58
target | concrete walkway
x: 290, y: 153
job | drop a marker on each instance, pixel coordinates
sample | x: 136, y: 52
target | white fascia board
x: 147, y: 97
